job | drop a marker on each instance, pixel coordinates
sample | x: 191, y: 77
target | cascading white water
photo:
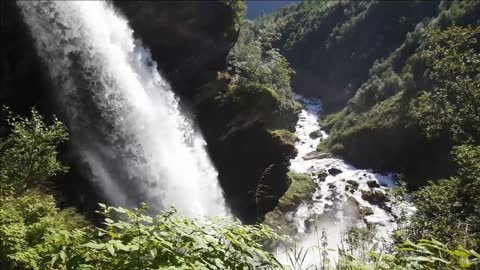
x: 123, y: 118
x: 339, y: 200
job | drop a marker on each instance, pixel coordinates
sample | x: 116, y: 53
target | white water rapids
x: 337, y: 202
x: 122, y: 115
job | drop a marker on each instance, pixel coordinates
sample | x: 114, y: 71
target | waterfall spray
x: 123, y: 118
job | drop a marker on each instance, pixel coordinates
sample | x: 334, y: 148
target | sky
x: 256, y: 8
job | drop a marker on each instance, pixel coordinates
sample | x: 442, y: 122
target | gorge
x: 320, y: 135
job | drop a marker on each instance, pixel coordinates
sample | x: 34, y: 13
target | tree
x: 449, y: 210
x: 452, y: 106
x: 28, y: 156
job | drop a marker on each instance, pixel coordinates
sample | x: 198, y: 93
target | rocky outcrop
x: 316, y: 155
x: 189, y: 39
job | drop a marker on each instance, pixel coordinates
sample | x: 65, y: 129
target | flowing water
x: 123, y: 118
x: 341, y: 198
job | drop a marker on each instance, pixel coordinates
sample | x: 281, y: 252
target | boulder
x: 376, y: 197
x: 315, y: 134
x: 334, y: 171
x: 322, y: 175
x: 316, y: 155
x: 372, y: 184
x: 353, y: 183
x: 351, y: 208
x: 366, y: 211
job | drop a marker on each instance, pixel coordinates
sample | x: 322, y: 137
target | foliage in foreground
x: 360, y: 248
x: 36, y: 234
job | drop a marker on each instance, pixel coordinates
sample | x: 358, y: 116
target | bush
x: 28, y: 156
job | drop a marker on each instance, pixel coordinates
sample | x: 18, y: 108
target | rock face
x: 188, y: 39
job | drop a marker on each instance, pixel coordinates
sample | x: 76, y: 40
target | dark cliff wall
x: 190, y: 41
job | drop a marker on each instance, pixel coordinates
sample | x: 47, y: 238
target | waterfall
x: 124, y: 120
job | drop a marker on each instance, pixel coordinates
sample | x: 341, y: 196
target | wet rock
x: 318, y: 197
x: 337, y: 206
x: 353, y: 183
x: 334, y: 171
x: 367, y: 211
x: 376, y: 197
x: 316, y: 155
x: 322, y: 175
x: 328, y: 206
x: 352, y: 200
x: 315, y: 134
x: 309, y: 223
x: 351, y: 208
x: 372, y: 184
x: 328, y: 218
x: 332, y: 186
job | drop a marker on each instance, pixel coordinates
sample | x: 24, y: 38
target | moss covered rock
x: 285, y: 136
x: 301, y: 189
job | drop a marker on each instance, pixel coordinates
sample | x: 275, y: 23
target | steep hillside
x: 378, y: 127
x: 332, y: 44
x: 364, y: 59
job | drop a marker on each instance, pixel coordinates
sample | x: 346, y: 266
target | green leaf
x: 94, y: 245
x: 110, y: 248
x: 153, y: 252
x: 63, y: 256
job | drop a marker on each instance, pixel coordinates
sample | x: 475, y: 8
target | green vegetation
x: 238, y: 9
x: 301, y: 189
x: 410, y: 105
x: 257, y: 82
x: 28, y: 155
x: 332, y: 44
x: 261, y: 80
x: 415, y: 111
x: 285, y: 136
x: 36, y: 234
x: 359, y: 249
x: 451, y: 104
x: 424, y: 93
x: 449, y: 210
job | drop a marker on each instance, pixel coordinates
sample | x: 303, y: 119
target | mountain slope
x: 332, y: 44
